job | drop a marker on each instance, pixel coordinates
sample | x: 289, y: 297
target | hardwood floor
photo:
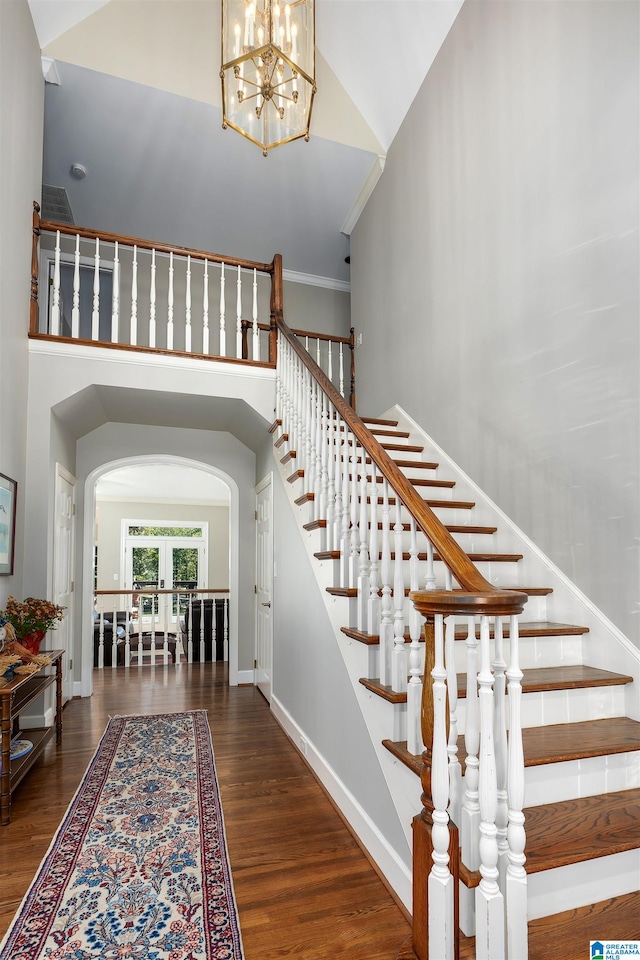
x: 304, y: 888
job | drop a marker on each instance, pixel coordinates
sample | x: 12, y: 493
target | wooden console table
x: 14, y: 697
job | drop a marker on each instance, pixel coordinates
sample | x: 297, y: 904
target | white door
x: 63, y: 563
x: 264, y: 588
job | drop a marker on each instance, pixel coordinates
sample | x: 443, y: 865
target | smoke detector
x: 78, y: 171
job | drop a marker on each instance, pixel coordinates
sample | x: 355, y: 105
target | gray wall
x: 21, y: 119
x: 495, y: 276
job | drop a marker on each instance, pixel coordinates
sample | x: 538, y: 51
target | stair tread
x: 281, y: 439
x: 556, y: 743
x: 379, y: 422
x: 274, y: 426
x: 305, y: 498
x: 434, y: 504
x: 535, y: 680
x: 296, y: 475
x: 477, y: 557
x: 327, y: 555
x: 542, y: 628
x: 378, y: 432
x: 452, y: 528
x: 407, y: 447
x: 292, y: 455
x: 415, y: 481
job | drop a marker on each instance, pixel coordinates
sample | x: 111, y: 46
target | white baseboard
x: 394, y: 870
x: 77, y: 689
x: 35, y: 721
x: 245, y: 676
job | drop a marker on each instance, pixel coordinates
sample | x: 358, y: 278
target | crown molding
x: 50, y: 71
x: 367, y: 189
x: 313, y: 281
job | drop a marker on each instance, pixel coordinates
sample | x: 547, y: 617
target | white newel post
x: 170, y: 305
x: 490, y: 929
x: 399, y: 661
x: 386, y: 620
x: 115, y: 299
x: 133, y: 331
x: 414, y: 688
x: 441, y: 912
x: 95, y: 314
x: 75, y: 309
x: 187, y: 309
x: 470, y: 818
x: 516, y: 880
x: 55, y: 305
x: 205, y: 308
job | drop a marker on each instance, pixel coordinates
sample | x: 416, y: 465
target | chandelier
x: 268, y: 69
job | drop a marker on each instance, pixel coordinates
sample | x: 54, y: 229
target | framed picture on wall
x: 8, y: 489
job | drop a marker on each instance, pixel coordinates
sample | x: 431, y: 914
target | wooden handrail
x: 462, y: 568
x: 90, y: 234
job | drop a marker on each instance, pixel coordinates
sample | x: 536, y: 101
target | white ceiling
x: 168, y: 483
x: 143, y: 115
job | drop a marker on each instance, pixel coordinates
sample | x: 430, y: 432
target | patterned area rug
x: 138, y: 869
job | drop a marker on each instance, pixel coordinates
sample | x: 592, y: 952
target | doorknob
x: 265, y: 604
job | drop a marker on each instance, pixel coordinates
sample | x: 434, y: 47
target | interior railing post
x: 277, y: 306
x: 352, y: 348
x: 34, y: 319
x: 245, y: 339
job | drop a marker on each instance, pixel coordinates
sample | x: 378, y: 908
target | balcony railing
x: 160, y: 626
x: 125, y: 293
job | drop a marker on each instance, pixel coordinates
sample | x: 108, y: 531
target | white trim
x: 267, y: 481
x: 395, y: 871
x: 77, y: 688
x: 50, y: 70
x: 135, y: 358
x: 343, y: 286
x: 365, y: 192
x: 177, y: 501
x: 87, y: 555
x: 246, y: 677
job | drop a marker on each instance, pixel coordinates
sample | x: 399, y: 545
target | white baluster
x: 324, y: 476
x: 414, y: 688
x: 170, y: 305
x: 373, y: 606
x: 95, y: 315
x: 516, y: 881
x: 386, y: 621
x: 133, y: 332
x: 310, y: 465
x: 223, y: 332
x: 75, y: 309
x: 115, y: 299
x: 455, y: 771
x: 345, y: 545
x: 353, y: 538
x: 318, y: 351
x: 330, y: 360
x: 256, y: 332
x: 341, y: 387
x: 317, y: 490
x: 399, y: 662
x: 441, y: 932
x: 430, y: 576
x: 55, y: 306
x: 101, y: 642
x: 152, y: 302
x: 202, y: 643
x: 239, y: 314
x: 363, y: 547
x: 187, y: 309
x: 470, y: 818
x: 338, y: 519
x: 331, y: 489
x: 205, y: 309
x: 500, y: 740
x: 489, y: 900
x: 189, y: 650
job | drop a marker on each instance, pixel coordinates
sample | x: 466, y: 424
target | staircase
x: 581, y: 749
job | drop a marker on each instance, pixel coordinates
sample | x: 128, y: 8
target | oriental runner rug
x: 138, y: 869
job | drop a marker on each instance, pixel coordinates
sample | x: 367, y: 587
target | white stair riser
x: 566, y: 888
x: 548, y: 783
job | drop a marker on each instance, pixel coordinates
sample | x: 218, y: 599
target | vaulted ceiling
x: 138, y: 104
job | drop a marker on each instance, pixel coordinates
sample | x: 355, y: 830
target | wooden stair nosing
x: 296, y: 475
x: 412, y: 464
x: 315, y: 525
x: 535, y: 680
x: 415, y: 482
x: 434, y: 504
x: 557, y: 743
x: 274, y: 426
x: 542, y: 628
x: 379, y: 422
x: 327, y: 555
x: 305, y: 498
x: 452, y: 528
x: 379, y: 432
x: 406, y: 447
x: 281, y: 439
x: 476, y: 557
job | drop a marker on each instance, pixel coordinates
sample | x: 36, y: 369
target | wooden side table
x: 14, y: 697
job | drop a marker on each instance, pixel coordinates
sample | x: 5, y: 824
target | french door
x: 157, y: 563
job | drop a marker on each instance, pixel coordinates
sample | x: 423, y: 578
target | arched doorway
x: 154, y: 462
